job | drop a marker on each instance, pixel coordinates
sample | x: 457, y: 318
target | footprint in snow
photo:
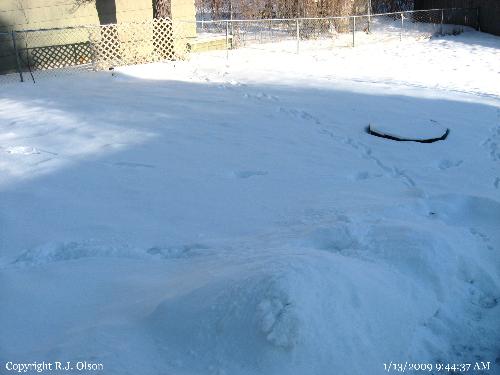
x: 261, y: 96
x: 132, y: 165
x: 182, y: 251
x: 248, y: 174
x: 360, y: 176
x: 334, y: 239
x: 303, y: 115
x: 447, y: 164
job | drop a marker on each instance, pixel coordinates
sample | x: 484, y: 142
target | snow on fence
x: 25, y: 54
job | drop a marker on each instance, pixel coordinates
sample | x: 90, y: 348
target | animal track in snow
x: 492, y: 142
x: 367, y: 153
x: 261, y: 96
x: 365, y: 175
x: 447, y: 164
x: 127, y: 164
x: 249, y: 173
x: 169, y: 252
x: 302, y: 115
x: 334, y: 239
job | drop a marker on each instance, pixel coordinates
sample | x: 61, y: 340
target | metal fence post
x: 353, y: 30
x: 227, y: 40
x: 442, y: 20
x: 93, y: 52
x: 18, y: 63
x: 369, y: 15
x: 402, y: 27
x: 298, y: 35
x: 478, y: 19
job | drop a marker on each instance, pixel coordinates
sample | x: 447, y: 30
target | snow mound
x: 410, y: 130
x: 301, y: 313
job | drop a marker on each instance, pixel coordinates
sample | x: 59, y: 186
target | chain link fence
x: 30, y: 54
x: 10, y: 71
x: 311, y: 34
x: 26, y: 55
x: 287, y: 9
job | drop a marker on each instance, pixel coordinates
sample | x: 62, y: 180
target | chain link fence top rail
x: 302, y: 34
x: 55, y: 51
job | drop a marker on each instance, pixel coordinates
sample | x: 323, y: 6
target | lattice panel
x: 133, y: 43
x: 163, y: 39
x: 62, y: 56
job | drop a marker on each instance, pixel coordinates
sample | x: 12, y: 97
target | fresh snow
x: 230, y: 215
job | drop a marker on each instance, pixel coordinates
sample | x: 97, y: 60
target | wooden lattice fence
x: 134, y: 43
x: 101, y: 47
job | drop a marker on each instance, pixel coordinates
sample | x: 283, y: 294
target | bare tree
x: 255, y: 9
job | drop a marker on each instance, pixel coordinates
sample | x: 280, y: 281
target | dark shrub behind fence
x: 489, y: 11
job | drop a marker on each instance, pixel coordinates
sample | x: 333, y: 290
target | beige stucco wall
x: 183, y: 16
x: 41, y: 14
x: 134, y: 10
x: 49, y: 14
x: 38, y: 14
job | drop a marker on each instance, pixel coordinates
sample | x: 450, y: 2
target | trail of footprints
x: 492, y: 145
x: 365, y: 151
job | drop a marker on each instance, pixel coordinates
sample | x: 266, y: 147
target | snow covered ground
x: 233, y: 216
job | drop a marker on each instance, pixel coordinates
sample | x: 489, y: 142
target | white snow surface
x: 232, y: 216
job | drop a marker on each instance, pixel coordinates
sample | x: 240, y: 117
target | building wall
x: 49, y: 14
x: 489, y: 11
x: 134, y: 10
x: 42, y: 14
x: 183, y: 13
